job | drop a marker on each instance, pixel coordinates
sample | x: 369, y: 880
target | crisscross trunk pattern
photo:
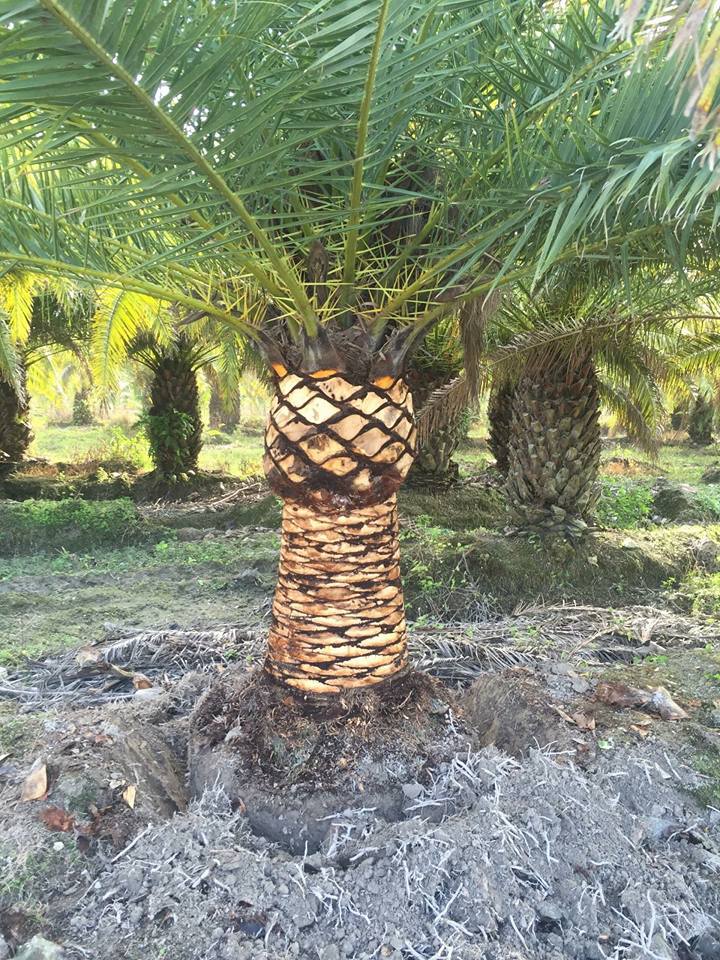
x: 336, y: 452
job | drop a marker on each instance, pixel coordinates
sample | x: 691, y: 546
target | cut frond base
x: 554, y: 446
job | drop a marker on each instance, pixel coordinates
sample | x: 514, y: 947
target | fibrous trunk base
x: 294, y: 761
x: 434, y: 467
x: 554, y: 448
x: 338, y: 615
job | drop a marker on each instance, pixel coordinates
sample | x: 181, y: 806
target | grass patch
x: 48, y: 525
x: 239, y: 453
x: 167, y: 551
x: 18, y: 732
x: 473, y: 575
x: 462, y: 508
x: 680, y: 463
x: 708, y: 763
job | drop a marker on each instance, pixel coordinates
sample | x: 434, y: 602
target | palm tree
x: 701, y: 418
x: 15, y: 433
x: 172, y: 422
x: 130, y: 326
x: 40, y: 320
x: 581, y: 343
x: 217, y: 146
x: 499, y: 412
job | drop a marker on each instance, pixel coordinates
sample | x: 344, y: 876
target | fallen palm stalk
x: 116, y: 667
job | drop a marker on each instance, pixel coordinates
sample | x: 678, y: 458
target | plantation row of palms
x: 336, y: 182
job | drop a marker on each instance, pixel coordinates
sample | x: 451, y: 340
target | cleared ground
x: 566, y: 826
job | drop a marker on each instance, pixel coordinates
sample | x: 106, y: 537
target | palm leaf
x: 9, y: 360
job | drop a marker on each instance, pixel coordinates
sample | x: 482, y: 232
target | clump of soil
x: 531, y: 858
x: 291, y: 761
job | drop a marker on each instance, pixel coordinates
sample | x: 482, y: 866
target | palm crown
x: 213, y: 154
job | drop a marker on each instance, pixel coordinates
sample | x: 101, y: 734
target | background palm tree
x: 40, y: 321
x: 244, y: 137
x: 172, y: 422
x: 700, y: 421
x: 567, y: 350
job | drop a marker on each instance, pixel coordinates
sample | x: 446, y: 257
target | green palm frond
x: 17, y: 292
x: 9, y: 359
x: 235, y: 135
x: 119, y: 318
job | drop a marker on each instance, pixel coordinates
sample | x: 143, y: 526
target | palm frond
x: 119, y: 318
x: 17, y: 291
x: 445, y: 403
x: 9, y: 360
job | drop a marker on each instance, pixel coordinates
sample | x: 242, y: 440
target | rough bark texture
x: 15, y: 433
x: 174, y: 425
x: 499, y: 418
x: 337, y: 451
x: 701, y: 421
x: 554, y: 449
x: 435, y: 467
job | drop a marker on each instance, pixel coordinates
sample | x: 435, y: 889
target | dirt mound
x: 532, y: 858
x: 485, y: 821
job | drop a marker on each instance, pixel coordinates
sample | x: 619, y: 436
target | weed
x: 17, y: 731
x: 119, y: 449
x: 708, y: 763
x: 624, y: 504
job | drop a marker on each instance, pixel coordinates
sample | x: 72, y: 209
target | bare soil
x: 483, y: 817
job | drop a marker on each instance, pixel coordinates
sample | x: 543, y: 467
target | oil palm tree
x: 499, y: 413
x: 583, y: 342
x: 701, y: 419
x: 203, y: 147
x: 41, y: 320
x: 172, y: 422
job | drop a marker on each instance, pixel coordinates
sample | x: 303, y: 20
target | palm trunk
x: 336, y: 452
x: 554, y: 449
x: 215, y: 409
x: 701, y: 421
x: 434, y: 467
x: 15, y: 433
x: 499, y: 419
x: 173, y: 422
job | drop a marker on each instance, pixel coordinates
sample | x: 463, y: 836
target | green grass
x: 67, y: 444
x: 624, y: 504
x: 239, y: 453
x: 66, y: 525
x: 220, y: 551
x: 681, y: 464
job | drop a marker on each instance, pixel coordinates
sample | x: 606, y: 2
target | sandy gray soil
x: 553, y: 840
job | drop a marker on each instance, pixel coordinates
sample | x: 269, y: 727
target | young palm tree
x: 432, y: 377
x: 700, y: 422
x: 172, y: 422
x: 247, y: 140
x: 15, y: 433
